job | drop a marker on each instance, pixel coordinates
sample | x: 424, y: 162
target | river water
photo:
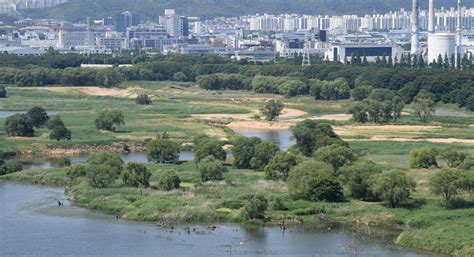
x: 31, y: 224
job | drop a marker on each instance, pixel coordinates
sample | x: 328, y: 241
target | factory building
x: 341, y: 52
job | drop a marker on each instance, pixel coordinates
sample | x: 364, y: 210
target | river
x: 31, y: 224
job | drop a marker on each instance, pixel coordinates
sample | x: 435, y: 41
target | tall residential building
x: 176, y: 26
x: 125, y: 20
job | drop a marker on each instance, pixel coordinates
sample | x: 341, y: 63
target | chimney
x: 459, y: 35
x: 415, y: 28
x: 431, y: 17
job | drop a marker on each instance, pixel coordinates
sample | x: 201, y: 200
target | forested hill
x: 150, y: 9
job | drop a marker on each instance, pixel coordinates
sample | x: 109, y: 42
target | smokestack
x: 415, y: 28
x: 459, y: 35
x: 431, y: 17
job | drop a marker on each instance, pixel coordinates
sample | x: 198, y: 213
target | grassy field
x: 426, y: 223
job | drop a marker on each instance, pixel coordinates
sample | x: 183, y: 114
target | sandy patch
x: 287, y: 114
x: 259, y: 125
x: 334, y: 117
x: 96, y: 91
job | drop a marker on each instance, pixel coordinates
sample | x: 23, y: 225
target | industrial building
x: 339, y: 52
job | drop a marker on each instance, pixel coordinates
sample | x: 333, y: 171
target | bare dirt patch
x: 432, y: 140
x: 95, y: 91
x: 334, y: 117
x: 259, y: 125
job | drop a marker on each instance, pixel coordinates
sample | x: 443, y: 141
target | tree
x: 359, y: 112
x: 38, y: 116
x: 423, y: 158
x: 143, y: 99
x: 19, y: 125
x: 470, y: 103
x: 109, y: 119
x: 448, y: 183
x: 107, y: 159
x: 60, y: 133
x: 54, y: 121
x: 313, y: 181
x: 3, y: 92
x: 206, y: 146
x: 453, y: 158
x: 361, y: 92
x: 311, y: 135
x: 10, y: 167
x: 272, y: 109
x: 335, y: 155
x: 211, y: 169
x: 136, y: 175
x: 424, y: 105
x: 394, y: 187
x: 244, y: 150
x: 264, y: 153
x: 279, y: 167
x: 101, y: 176
x: 360, y: 178
x: 162, y: 150
x: 169, y: 180
x: 255, y: 208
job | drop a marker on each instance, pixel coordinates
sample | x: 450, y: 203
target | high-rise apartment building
x: 176, y: 26
x: 125, y: 20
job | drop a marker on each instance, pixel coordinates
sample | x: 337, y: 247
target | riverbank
x: 428, y: 226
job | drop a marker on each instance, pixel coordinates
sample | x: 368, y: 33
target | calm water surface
x: 32, y: 225
x: 283, y: 138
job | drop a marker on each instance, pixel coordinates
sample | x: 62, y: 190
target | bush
x: 394, y: 187
x: 205, y: 146
x: 64, y: 162
x: 448, y: 183
x: 109, y: 119
x: 60, y: 133
x: 143, y: 99
x: 423, y: 158
x: 3, y: 92
x: 163, y: 151
x: 169, y: 180
x: 10, y: 167
x: 136, y: 175
x: 360, y: 178
x: 424, y: 105
x: 107, y: 159
x: 272, y: 109
x: 76, y: 171
x: 255, y: 208
x: 313, y: 181
x: 277, y: 204
x: 179, y: 76
x: 264, y: 153
x: 38, y: 116
x: 244, y: 150
x: 335, y: 155
x: 361, y: 92
x: 54, y: 122
x: 101, y: 176
x: 279, y: 167
x: 453, y: 158
x: 19, y: 125
x: 468, y: 164
x: 211, y: 169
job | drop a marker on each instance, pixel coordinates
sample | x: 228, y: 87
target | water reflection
x: 284, y: 138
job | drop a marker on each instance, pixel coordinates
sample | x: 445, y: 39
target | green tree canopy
x: 211, y: 169
x: 169, y: 180
x: 163, y: 150
x: 360, y: 178
x: 255, y: 208
x: 109, y: 120
x: 38, y: 116
x: 311, y: 135
x: 279, y: 167
x: 19, y: 125
x: 394, y: 187
x: 206, y: 146
x: 335, y: 155
x: 423, y: 158
x: 272, y: 109
x: 136, y: 175
x: 107, y: 159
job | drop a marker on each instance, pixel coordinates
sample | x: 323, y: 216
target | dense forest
x: 76, y: 10
x: 323, y: 80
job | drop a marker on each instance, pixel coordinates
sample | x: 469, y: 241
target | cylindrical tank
x: 441, y: 44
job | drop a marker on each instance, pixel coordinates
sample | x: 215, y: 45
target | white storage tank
x: 441, y: 43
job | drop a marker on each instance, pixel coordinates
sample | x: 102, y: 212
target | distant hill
x: 76, y: 10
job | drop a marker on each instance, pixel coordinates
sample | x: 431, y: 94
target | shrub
x: 143, y: 99
x: 448, y: 183
x: 335, y: 155
x: 64, y: 162
x: 3, y: 92
x: 107, y: 159
x: 163, y: 151
x: 277, y: 204
x: 101, y: 176
x: 255, y: 208
x: 211, y: 169
x: 424, y: 105
x: 60, y: 133
x: 135, y: 175
x: 423, y: 158
x: 19, y: 125
x: 109, y: 119
x: 279, y: 167
x: 264, y: 153
x: 11, y: 167
x: 38, y: 116
x: 169, y: 180
x: 272, y: 110
x: 205, y: 146
x: 313, y: 181
x: 76, y: 171
x: 453, y: 158
x: 54, y: 122
x: 360, y: 178
x: 394, y: 187
x: 468, y: 163
x: 179, y: 76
